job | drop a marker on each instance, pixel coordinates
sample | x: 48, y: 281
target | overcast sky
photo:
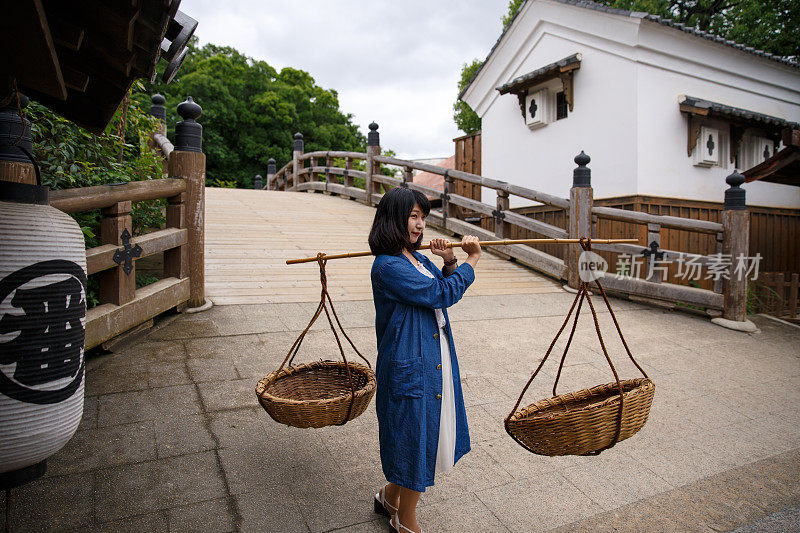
x: 394, y: 62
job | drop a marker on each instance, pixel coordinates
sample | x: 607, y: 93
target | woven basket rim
x: 368, y: 387
x: 640, y: 384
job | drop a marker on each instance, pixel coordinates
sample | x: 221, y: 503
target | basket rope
x: 324, y: 295
x: 583, y: 293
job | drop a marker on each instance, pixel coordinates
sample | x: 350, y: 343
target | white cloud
x: 396, y: 63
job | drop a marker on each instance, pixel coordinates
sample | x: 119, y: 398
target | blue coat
x: 409, y: 352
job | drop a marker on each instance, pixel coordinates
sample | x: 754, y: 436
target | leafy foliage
x: 466, y: 119
x: 69, y: 156
x: 768, y: 25
x: 251, y: 111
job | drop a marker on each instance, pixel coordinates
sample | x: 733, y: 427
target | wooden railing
x: 122, y: 306
x: 728, y: 297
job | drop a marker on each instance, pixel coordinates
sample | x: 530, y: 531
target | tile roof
x: 545, y: 71
x: 726, y: 111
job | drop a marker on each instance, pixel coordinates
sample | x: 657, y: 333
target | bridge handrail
x: 99, y: 196
x: 162, y: 143
x: 582, y: 218
x: 665, y: 221
x: 322, y: 153
x: 122, y: 306
x: 497, y: 185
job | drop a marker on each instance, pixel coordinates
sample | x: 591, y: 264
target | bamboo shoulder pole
x: 482, y: 243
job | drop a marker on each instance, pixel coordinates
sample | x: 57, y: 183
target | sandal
x: 394, y: 521
x: 381, y: 506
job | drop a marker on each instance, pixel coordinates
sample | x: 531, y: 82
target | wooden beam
x: 106, y: 321
x: 86, y: 198
x: 29, y: 54
x: 623, y: 215
x: 102, y: 257
x: 663, y: 291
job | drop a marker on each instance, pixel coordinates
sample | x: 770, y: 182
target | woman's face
x: 416, y: 224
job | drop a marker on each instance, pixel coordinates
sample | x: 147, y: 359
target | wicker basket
x: 582, y: 422
x: 588, y: 421
x: 320, y: 393
x: 317, y: 394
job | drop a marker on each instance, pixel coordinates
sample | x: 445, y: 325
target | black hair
x: 389, y: 233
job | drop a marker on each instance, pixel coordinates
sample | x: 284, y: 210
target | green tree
x: 251, y: 112
x: 466, y: 119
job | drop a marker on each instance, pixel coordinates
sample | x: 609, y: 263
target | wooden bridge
x: 272, y: 226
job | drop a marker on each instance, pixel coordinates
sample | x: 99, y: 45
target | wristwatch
x: 453, y: 261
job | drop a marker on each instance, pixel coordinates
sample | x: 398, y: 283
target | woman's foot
x: 404, y: 527
x: 384, y: 506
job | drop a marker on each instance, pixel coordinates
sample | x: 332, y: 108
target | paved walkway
x: 173, y: 439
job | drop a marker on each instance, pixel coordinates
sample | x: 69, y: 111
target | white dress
x: 446, y: 451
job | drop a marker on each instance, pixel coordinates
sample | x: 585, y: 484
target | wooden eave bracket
x: 693, y: 132
x: 565, y: 74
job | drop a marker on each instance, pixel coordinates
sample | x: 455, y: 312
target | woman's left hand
x: 440, y: 247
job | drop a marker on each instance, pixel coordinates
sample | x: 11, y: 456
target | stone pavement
x: 173, y: 438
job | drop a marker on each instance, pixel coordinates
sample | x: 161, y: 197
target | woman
x: 422, y: 423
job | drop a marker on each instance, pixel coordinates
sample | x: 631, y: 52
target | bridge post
x: 735, y: 247
x: 500, y: 227
x: 296, y: 153
x: 580, y: 215
x: 188, y: 161
x: 257, y: 182
x: 271, y: 174
x: 373, y: 149
x: 159, y: 111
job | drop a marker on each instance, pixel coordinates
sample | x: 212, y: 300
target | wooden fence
x: 579, y: 216
x: 122, y: 306
x: 776, y: 294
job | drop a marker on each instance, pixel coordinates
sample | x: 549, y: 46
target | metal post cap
x: 271, y: 166
x: 298, y: 142
x: 189, y: 109
x: 188, y: 132
x: 735, y: 195
x: 582, y: 176
x: 158, y: 109
x: 373, y: 137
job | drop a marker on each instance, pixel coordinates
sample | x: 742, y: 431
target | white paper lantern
x: 42, y: 321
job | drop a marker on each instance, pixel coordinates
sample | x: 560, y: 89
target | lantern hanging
x: 42, y: 321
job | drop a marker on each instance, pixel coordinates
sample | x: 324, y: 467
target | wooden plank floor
x: 249, y: 235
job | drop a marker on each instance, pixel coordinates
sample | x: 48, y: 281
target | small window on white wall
x: 755, y: 150
x: 538, y: 109
x: 708, y: 151
x: 711, y: 149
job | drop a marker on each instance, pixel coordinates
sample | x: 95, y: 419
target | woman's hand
x: 440, y: 247
x: 471, y: 246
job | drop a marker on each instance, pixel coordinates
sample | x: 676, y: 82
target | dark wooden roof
x: 783, y: 167
x: 79, y: 58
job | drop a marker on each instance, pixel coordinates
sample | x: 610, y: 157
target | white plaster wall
x: 664, y: 168
x: 602, y: 123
